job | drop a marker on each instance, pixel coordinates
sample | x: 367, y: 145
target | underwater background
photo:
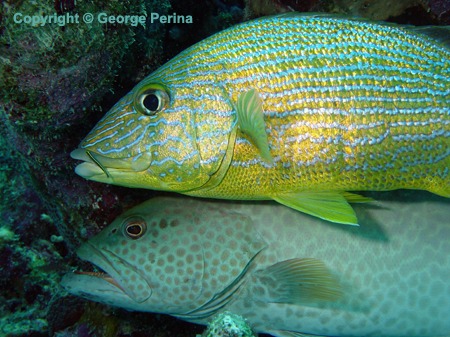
x: 56, y: 82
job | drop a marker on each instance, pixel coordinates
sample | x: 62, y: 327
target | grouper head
x: 172, y: 132
x: 171, y: 256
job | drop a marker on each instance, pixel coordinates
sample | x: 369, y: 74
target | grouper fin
x: 298, y: 281
x: 250, y: 119
x: 285, y: 333
x: 331, y: 206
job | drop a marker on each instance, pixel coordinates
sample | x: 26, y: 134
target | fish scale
x: 309, y: 95
x: 347, y: 105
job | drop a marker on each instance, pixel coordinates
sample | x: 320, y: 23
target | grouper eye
x: 134, y: 227
x: 151, y: 101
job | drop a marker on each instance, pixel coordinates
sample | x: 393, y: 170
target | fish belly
x: 394, y: 270
x: 348, y: 105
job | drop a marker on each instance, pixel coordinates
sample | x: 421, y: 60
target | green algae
x: 7, y: 235
x: 29, y: 316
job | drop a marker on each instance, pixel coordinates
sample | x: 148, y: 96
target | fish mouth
x: 100, y: 275
x: 114, y: 270
x: 102, y: 168
x: 94, y: 287
x: 99, y: 285
x: 91, y: 254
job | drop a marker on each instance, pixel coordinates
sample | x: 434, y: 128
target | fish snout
x: 102, y: 168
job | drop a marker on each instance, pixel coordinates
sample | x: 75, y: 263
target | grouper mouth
x: 112, y: 270
x: 100, y: 275
x: 97, y: 260
x: 96, y: 283
x: 102, y: 168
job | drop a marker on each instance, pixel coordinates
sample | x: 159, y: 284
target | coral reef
x: 228, y: 324
x: 439, y: 10
x: 52, y: 80
x: 375, y: 9
x: 55, y: 83
x: 257, y: 8
x: 89, y: 319
x: 50, y: 71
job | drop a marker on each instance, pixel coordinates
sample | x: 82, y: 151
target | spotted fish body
x: 346, y: 105
x: 287, y: 273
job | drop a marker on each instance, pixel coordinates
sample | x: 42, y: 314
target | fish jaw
x: 90, y: 169
x: 119, y: 273
x: 95, y: 289
x: 136, y: 172
x: 98, y: 289
x: 117, y: 171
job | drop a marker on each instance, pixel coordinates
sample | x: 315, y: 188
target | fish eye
x: 152, y: 101
x: 134, y: 227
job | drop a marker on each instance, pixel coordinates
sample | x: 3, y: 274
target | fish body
x: 287, y: 273
x: 295, y: 108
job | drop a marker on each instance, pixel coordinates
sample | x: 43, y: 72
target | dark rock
x: 64, y: 312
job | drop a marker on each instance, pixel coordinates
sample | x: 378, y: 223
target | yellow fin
x: 353, y: 197
x: 251, y: 121
x: 331, y: 206
x: 299, y: 281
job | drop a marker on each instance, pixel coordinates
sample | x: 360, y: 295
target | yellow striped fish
x: 297, y: 108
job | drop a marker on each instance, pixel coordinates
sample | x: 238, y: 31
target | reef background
x: 55, y: 84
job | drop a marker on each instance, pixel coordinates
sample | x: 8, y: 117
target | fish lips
x: 92, y: 287
x: 101, y: 168
x: 119, y: 273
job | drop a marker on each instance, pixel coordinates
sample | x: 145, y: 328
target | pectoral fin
x: 299, y: 281
x: 251, y: 121
x: 331, y: 206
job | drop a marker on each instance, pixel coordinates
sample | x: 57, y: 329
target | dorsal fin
x: 440, y: 34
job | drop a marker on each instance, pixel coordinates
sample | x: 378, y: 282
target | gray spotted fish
x: 287, y: 273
